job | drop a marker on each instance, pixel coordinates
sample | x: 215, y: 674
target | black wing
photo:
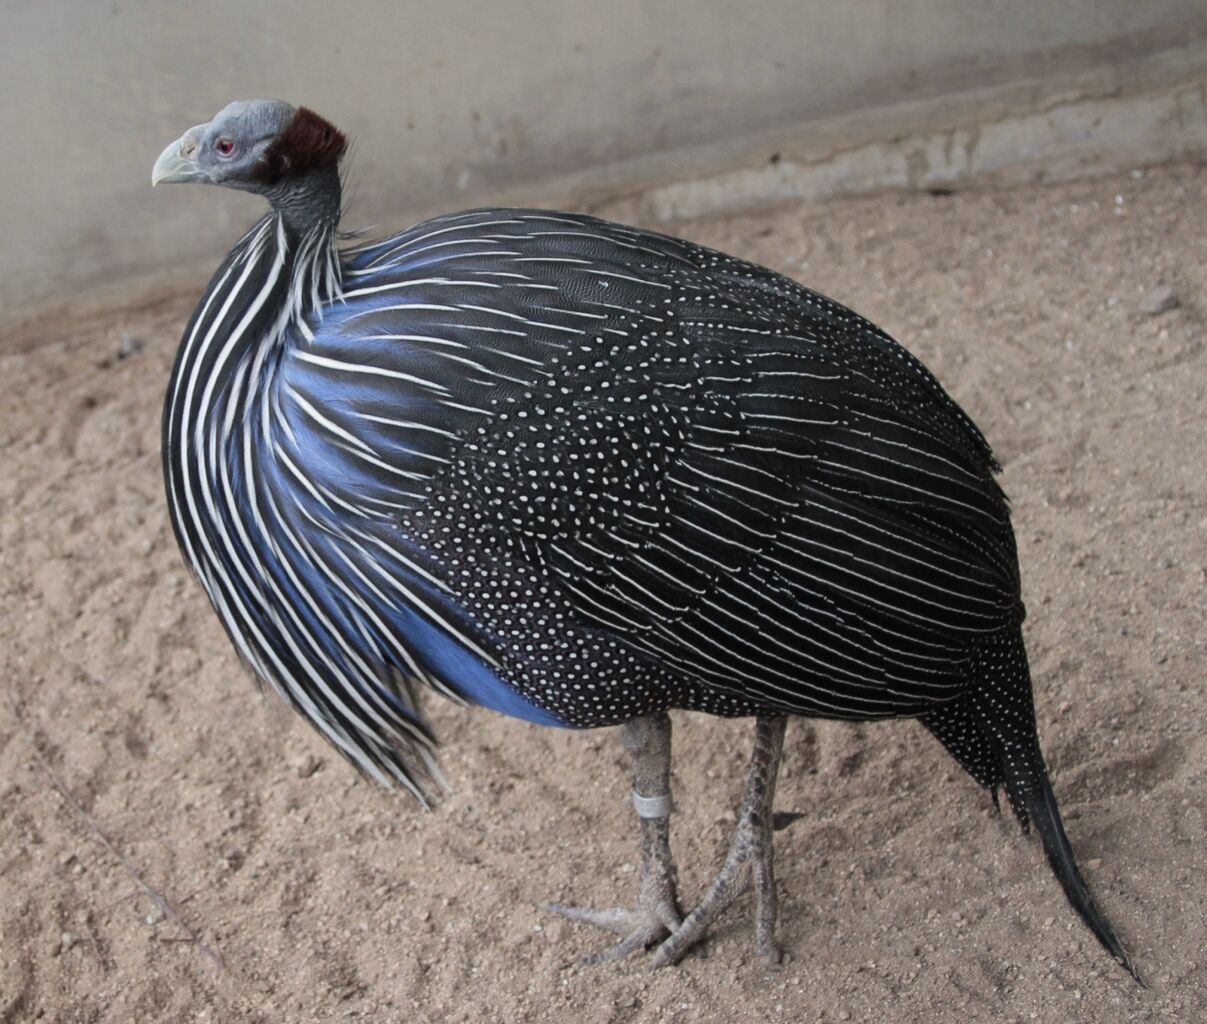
x: 763, y: 490
x: 734, y: 475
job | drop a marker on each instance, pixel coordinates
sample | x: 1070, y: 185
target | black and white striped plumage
x: 641, y: 473
x: 578, y: 472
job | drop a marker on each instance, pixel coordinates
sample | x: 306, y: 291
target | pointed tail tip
x: 1040, y: 803
x: 1124, y: 959
x: 1118, y: 953
x: 1126, y: 962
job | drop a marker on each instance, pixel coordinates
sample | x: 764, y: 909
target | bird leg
x: 648, y: 742
x: 749, y: 863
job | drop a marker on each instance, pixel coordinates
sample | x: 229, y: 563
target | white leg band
x: 653, y: 806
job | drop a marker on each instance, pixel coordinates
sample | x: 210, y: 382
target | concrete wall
x: 452, y: 102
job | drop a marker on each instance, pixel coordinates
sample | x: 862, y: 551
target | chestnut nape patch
x: 308, y: 143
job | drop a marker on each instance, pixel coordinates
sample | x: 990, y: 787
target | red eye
x: 224, y: 147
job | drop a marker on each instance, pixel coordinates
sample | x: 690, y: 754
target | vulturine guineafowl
x: 583, y: 474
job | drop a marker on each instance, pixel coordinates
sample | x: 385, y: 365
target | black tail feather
x: 991, y: 732
x: 1040, y: 803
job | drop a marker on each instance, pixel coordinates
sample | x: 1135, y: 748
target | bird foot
x: 749, y: 864
x: 651, y: 921
x: 657, y: 914
x: 747, y: 867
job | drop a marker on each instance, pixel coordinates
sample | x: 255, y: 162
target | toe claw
x: 772, y: 954
x: 639, y: 928
x: 631, y: 943
x: 780, y: 820
x: 614, y: 919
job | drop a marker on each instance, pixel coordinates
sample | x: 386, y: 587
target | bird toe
x: 640, y: 927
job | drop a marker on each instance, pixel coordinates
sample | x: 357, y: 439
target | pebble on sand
x: 1159, y: 300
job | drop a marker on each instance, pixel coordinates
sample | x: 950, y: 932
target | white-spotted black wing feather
x: 728, y: 477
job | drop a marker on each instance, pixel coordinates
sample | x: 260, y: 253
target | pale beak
x: 176, y: 163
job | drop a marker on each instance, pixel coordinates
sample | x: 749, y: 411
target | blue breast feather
x: 332, y: 421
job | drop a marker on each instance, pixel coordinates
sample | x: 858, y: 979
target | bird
x: 584, y: 474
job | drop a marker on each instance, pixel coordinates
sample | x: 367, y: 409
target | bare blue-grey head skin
x: 229, y: 150
x: 583, y: 474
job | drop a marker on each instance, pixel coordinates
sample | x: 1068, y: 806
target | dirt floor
x: 136, y: 756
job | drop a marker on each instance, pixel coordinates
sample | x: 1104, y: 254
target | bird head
x: 254, y: 145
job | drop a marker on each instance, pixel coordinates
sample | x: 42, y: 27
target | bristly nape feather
x: 308, y: 143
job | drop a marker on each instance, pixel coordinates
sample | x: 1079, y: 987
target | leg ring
x: 653, y: 806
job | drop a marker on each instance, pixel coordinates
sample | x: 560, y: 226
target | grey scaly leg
x: 648, y: 742
x: 750, y: 861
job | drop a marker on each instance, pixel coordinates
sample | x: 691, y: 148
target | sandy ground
x: 303, y: 894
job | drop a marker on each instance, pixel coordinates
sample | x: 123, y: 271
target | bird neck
x: 308, y: 202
